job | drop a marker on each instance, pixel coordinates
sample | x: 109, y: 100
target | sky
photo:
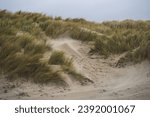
x: 93, y: 10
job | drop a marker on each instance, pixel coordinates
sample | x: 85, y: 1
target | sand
x: 129, y: 82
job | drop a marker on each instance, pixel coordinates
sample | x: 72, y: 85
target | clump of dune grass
x: 136, y: 56
x: 59, y: 58
x: 66, y: 64
x: 21, y: 49
x: 21, y: 59
x: 78, y: 33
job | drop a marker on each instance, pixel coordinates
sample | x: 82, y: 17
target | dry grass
x: 23, y: 42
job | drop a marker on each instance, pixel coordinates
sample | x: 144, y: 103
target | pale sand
x: 130, y: 82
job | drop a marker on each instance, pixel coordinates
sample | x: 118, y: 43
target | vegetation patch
x: 23, y: 38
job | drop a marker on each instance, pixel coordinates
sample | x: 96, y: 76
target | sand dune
x: 130, y: 82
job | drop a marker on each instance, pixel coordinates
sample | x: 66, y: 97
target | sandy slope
x: 131, y: 82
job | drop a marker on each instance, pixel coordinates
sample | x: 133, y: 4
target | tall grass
x: 66, y: 64
x: 59, y: 58
x: 78, y: 33
x: 23, y: 42
x: 22, y: 47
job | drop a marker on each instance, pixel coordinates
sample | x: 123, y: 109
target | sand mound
x: 130, y: 82
x: 67, y: 45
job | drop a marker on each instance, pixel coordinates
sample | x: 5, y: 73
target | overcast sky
x: 94, y: 10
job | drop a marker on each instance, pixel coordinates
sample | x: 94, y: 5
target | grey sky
x: 95, y: 10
